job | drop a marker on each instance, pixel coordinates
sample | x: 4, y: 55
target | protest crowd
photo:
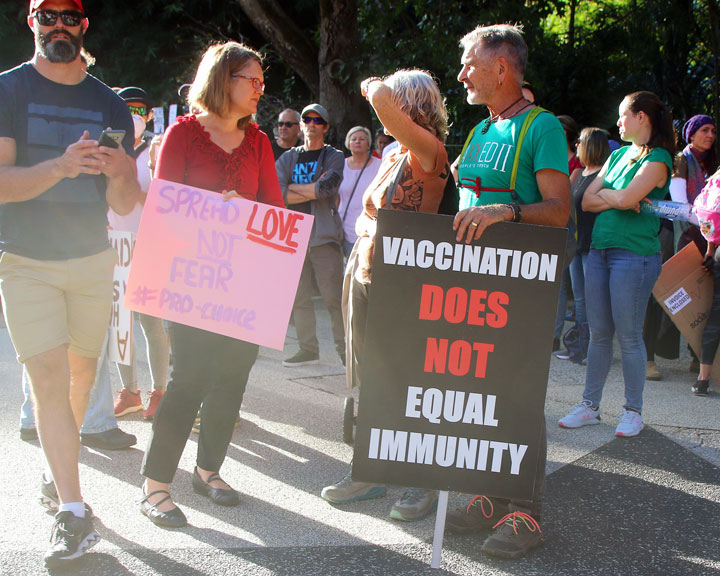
x: 77, y: 159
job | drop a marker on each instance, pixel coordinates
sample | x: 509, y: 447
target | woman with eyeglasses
x: 412, y: 178
x: 219, y: 149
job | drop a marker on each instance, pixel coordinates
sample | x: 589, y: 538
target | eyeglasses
x: 139, y: 110
x: 257, y: 84
x: 313, y: 120
x: 68, y: 17
x: 287, y: 124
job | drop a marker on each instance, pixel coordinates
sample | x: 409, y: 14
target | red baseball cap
x: 35, y: 4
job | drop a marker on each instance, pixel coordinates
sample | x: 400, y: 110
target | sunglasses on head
x: 139, y: 110
x: 287, y: 124
x: 68, y: 17
x: 313, y: 120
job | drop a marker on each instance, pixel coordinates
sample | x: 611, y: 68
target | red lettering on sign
x: 277, y: 229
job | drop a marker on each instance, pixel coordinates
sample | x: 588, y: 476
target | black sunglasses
x: 49, y: 17
x: 287, y: 124
x: 313, y: 120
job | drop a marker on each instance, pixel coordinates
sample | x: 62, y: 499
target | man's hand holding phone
x: 80, y: 158
x: 113, y: 160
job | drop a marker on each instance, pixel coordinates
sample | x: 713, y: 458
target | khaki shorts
x: 51, y: 303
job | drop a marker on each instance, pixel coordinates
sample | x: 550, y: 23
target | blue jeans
x: 562, y: 306
x: 577, y: 277
x: 100, y: 414
x: 618, y: 284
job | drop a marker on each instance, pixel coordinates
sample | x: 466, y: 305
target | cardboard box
x: 685, y: 291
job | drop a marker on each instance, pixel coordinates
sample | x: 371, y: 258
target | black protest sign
x: 457, y: 354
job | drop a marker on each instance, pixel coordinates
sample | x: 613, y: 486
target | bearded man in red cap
x: 56, y: 266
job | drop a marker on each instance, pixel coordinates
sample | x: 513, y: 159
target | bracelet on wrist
x: 516, y: 210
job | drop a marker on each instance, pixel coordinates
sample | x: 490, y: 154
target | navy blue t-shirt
x: 304, y: 173
x: 68, y: 220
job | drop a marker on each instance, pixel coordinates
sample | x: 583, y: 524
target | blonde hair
x: 358, y: 129
x: 417, y: 94
x: 210, y: 91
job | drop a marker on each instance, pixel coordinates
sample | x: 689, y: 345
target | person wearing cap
x: 691, y: 169
x: 57, y: 266
x: 310, y: 176
x: 158, y: 347
x: 693, y: 166
x: 288, y: 131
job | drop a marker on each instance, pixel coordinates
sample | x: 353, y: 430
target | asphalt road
x: 643, y: 506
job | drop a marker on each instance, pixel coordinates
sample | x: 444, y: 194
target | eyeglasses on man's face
x: 68, y: 17
x: 287, y: 124
x: 313, y: 120
x: 139, y: 110
x: 257, y: 84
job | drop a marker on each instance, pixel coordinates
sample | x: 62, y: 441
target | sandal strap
x: 214, y: 476
x: 145, y: 499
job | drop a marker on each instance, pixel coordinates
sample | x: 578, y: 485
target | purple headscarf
x: 694, y: 124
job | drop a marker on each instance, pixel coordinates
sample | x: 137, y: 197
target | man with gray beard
x: 56, y: 266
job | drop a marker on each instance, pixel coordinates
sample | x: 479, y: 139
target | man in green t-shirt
x: 493, y: 64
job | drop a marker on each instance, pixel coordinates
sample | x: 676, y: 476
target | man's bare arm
x: 21, y: 183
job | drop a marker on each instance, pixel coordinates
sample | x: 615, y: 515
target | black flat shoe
x: 172, y: 519
x: 221, y: 496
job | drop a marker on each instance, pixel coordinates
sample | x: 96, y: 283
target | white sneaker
x: 631, y: 424
x: 580, y: 415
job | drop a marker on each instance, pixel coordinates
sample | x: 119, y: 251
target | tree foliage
x: 584, y: 55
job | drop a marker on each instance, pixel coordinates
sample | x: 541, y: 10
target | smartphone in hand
x: 111, y: 138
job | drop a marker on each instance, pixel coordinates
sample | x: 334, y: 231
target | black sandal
x: 221, y: 496
x: 172, y: 519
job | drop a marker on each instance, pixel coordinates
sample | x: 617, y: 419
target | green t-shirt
x: 490, y: 158
x: 627, y: 229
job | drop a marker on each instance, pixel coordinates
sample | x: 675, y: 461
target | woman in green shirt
x: 624, y: 260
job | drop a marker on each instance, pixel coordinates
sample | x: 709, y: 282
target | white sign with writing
x: 121, y: 322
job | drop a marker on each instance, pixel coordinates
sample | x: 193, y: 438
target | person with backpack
x: 625, y: 259
x: 514, y: 168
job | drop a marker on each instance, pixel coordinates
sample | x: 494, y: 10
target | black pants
x: 208, y: 369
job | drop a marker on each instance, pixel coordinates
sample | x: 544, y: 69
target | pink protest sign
x: 226, y: 267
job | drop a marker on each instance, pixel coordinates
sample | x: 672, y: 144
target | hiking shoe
x: 71, y: 537
x: 302, y: 358
x: 155, y: 398
x: 515, y: 535
x: 631, y: 424
x: 480, y: 514
x: 700, y: 388
x: 127, y: 402
x: 48, y: 495
x: 580, y: 415
x: 414, y: 504
x: 347, y: 491
x: 652, y: 373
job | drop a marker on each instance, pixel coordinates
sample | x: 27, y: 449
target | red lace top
x: 189, y: 156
